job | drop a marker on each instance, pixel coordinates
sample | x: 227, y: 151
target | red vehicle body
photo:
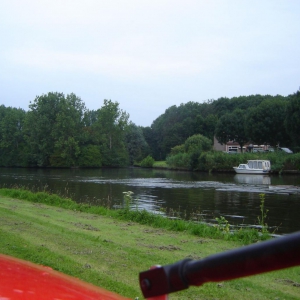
x: 24, y: 280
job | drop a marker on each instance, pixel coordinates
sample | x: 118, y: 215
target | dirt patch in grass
x: 85, y: 226
x: 288, y: 282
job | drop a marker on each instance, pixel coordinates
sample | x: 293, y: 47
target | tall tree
x: 136, y: 144
x: 12, y: 146
x: 150, y: 140
x: 67, y: 131
x: 209, y: 126
x: 292, y: 118
x: 231, y: 127
x: 53, y: 126
x: 193, y: 146
x: 265, y: 123
x: 39, y: 124
x: 176, y: 125
x: 110, y: 133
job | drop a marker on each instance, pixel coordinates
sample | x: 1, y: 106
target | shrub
x: 180, y: 160
x: 197, y: 143
x: 292, y: 162
x: 147, y: 162
x: 177, y: 149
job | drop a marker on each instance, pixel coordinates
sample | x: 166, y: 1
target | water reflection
x: 252, y: 179
x: 197, y: 196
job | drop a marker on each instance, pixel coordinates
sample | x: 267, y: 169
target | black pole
x: 276, y: 254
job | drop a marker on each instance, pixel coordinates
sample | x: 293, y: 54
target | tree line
x: 273, y: 120
x: 59, y: 131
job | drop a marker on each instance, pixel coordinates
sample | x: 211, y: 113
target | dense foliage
x: 186, y: 156
x: 256, y: 118
x: 147, y: 162
x: 59, y: 131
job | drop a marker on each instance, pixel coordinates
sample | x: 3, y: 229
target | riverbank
x: 110, y: 253
x: 218, y: 161
x: 163, y: 166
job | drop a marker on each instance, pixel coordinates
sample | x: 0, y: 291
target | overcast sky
x: 148, y: 54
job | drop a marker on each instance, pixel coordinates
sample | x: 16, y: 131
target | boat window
x: 250, y: 164
x: 259, y: 165
x: 255, y: 165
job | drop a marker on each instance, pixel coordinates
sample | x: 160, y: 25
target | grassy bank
x: 109, y: 249
x: 217, y: 161
x: 220, y: 231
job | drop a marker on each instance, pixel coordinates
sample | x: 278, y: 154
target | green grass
x: 160, y: 164
x: 109, y: 248
x: 244, y: 236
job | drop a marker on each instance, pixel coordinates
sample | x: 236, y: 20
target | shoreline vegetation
x: 183, y: 135
x: 162, y: 165
x: 216, y: 161
x: 109, y: 247
x: 197, y: 228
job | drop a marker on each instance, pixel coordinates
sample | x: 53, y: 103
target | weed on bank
x: 243, y: 235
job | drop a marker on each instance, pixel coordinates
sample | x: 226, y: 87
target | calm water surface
x: 189, y: 195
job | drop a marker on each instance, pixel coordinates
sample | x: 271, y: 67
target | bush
x: 197, y: 143
x: 147, y: 162
x: 292, y: 162
x: 177, y: 149
x: 180, y: 160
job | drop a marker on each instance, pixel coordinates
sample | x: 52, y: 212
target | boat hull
x: 250, y: 171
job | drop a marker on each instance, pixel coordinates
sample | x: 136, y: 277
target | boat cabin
x: 254, y: 167
x: 259, y: 164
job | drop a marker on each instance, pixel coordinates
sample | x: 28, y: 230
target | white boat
x: 254, y: 167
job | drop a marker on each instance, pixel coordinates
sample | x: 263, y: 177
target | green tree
x: 90, y: 156
x: 176, y: 125
x: 67, y: 131
x: 177, y: 149
x: 265, y: 123
x: 223, y: 105
x: 187, y: 155
x: 197, y: 143
x: 136, y: 144
x: 231, y: 127
x: 194, y: 146
x: 38, y: 127
x: 209, y: 126
x: 109, y: 132
x: 53, y: 128
x: 12, y: 146
x: 150, y: 139
x: 292, y: 118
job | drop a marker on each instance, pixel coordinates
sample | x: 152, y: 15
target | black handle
x: 276, y: 254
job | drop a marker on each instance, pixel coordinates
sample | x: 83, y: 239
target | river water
x: 197, y: 196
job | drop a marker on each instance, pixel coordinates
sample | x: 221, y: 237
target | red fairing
x: 24, y: 280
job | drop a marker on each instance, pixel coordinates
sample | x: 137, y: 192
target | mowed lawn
x: 110, y: 253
